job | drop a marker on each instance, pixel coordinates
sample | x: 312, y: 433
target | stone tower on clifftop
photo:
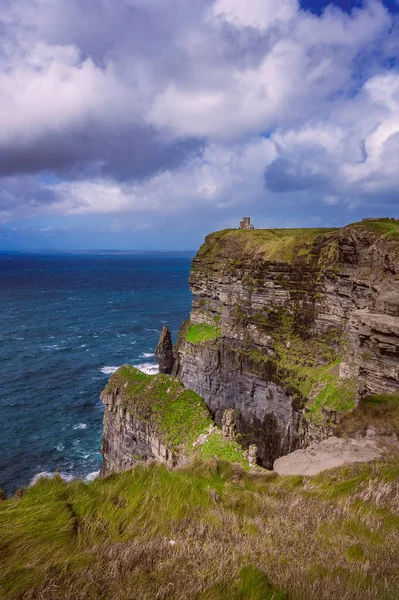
x: 246, y: 223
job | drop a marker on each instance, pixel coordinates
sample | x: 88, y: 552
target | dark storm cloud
x: 285, y: 176
x: 133, y: 152
x: 23, y: 195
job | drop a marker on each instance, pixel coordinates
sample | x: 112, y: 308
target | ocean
x: 67, y: 322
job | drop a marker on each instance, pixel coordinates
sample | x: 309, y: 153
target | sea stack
x: 164, y: 352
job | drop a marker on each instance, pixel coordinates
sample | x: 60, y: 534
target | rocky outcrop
x: 296, y: 325
x: 149, y: 418
x: 155, y: 418
x: 330, y: 453
x: 164, y: 352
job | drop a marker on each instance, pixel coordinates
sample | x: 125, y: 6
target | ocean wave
x: 65, y: 476
x: 147, y: 354
x: 92, y: 476
x: 148, y: 368
x: 49, y: 475
x: 108, y: 370
x: 80, y: 426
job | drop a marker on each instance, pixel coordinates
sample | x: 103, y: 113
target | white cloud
x: 222, y: 177
x: 261, y: 14
x: 275, y: 105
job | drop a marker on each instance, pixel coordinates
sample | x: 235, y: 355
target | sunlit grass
x: 197, y: 334
x: 207, y: 531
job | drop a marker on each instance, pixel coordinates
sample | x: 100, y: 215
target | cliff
x: 155, y: 418
x: 290, y: 328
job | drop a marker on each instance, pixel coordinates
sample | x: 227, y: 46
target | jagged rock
x: 164, y: 352
x: 139, y: 424
x: 229, y: 428
x: 252, y: 455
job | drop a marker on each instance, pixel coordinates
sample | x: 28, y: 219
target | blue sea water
x: 67, y: 321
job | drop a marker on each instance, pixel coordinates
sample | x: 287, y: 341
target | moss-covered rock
x: 155, y: 417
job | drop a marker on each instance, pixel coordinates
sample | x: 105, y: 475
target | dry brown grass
x: 328, y: 537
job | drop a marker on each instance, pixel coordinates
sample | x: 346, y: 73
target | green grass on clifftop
x: 281, y: 245
x: 209, y: 531
x: 178, y: 415
x: 388, y: 228
x: 197, y: 334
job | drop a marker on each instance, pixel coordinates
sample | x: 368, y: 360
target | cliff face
x: 291, y: 327
x: 155, y: 418
x: 148, y: 418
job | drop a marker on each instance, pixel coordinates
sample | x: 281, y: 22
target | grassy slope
x: 270, y: 244
x: 206, y: 532
x: 282, y: 245
x: 383, y: 227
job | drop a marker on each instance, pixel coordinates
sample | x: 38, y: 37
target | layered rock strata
x: 290, y: 327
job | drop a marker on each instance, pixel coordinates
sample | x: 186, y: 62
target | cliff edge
x: 290, y: 328
x: 153, y: 417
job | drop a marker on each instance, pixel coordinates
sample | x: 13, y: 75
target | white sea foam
x: 60, y: 447
x: 48, y: 475
x: 108, y: 370
x: 80, y: 426
x: 64, y: 476
x: 147, y: 354
x: 148, y: 368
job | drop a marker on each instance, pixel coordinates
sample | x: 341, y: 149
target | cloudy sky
x: 145, y: 124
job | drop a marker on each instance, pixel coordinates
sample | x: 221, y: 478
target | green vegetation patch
x: 312, y: 368
x: 307, y: 367
x: 207, y: 531
x: 381, y: 411
x: 218, y: 448
x: 282, y: 245
x: 178, y: 415
x: 251, y: 584
x: 198, y: 334
x: 388, y: 228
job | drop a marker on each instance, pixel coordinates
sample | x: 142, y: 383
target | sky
x: 146, y: 124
